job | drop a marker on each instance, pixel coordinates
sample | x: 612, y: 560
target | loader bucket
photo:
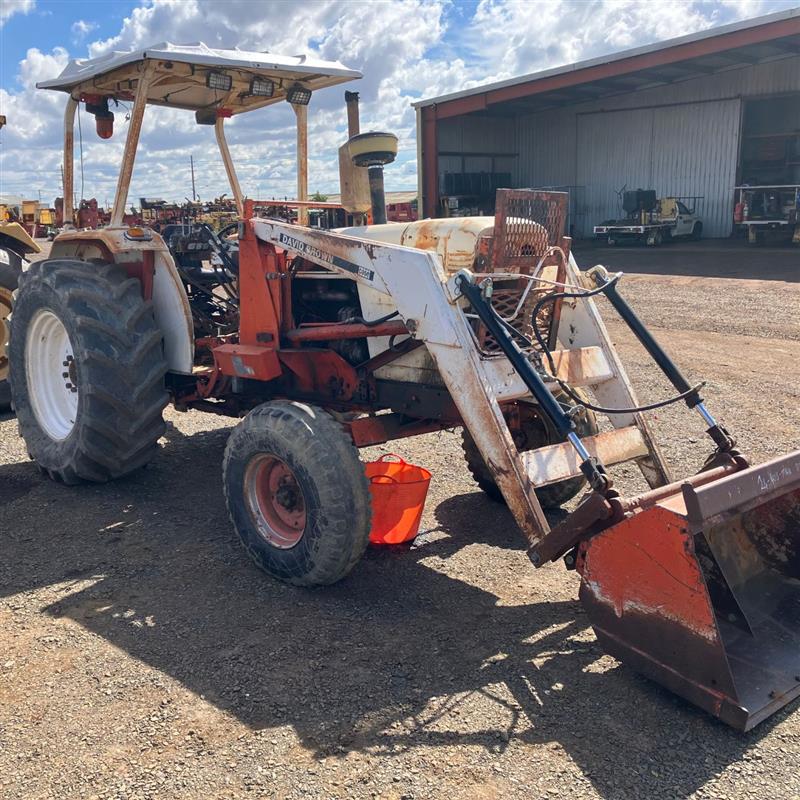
x: 700, y: 591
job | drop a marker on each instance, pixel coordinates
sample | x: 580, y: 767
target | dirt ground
x: 143, y: 656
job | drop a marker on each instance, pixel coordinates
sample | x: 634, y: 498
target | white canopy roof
x: 181, y: 71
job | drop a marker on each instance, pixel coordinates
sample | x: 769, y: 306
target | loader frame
x: 478, y: 389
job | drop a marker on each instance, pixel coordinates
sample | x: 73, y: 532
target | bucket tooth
x: 701, y: 591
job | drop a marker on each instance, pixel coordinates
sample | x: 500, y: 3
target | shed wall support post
x: 430, y: 163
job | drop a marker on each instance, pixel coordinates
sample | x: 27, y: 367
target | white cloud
x: 81, y: 29
x: 406, y: 49
x: 10, y: 7
x: 516, y: 37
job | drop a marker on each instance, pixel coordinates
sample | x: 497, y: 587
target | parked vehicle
x: 651, y: 222
x: 768, y: 211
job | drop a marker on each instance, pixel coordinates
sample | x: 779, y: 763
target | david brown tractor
x: 324, y: 342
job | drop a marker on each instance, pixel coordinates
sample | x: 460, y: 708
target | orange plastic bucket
x: 398, y: 492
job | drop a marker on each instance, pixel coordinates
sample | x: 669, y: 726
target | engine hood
x: 454, y: 239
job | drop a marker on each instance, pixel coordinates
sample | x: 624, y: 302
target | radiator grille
x: 527, y: 223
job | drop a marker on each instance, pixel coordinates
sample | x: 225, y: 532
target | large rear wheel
x: 534, y: 432
x: 297, y: 493
x: 87, y: 370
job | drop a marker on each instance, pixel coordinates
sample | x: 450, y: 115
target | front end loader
x: 327, y: 341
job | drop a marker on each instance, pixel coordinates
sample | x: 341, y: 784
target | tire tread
x: 344, y: 511
x: 119, y: 349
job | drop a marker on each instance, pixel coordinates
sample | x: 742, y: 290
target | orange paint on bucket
x: 398, y: 491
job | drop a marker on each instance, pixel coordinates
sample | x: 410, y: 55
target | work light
x: 298, y: 95
x: 219, y: 80
x: 261, y: 87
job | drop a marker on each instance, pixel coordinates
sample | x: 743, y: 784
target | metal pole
x: 228, y: 162
x: 131, y: 142
x: 191, y: 165
x: 376, y: 194
x: 301, y: 112
x: 69, y: 165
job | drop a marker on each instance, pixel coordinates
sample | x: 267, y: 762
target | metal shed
x: 693, y: 116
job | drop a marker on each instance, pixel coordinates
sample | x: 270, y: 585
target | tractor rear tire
x: 9, y: 277
x: 535, y: 434
x: 87, y: 370
x: 297, y: 493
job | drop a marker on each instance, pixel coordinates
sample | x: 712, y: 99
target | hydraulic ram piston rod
x: 720, y: 436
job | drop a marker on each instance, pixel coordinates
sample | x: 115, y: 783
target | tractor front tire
x: 535, y: 433
x: 297, y: 493
x: 87, y: 370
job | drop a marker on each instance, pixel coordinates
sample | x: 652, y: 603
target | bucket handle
x: 386, y: 456
x: 383, y: 479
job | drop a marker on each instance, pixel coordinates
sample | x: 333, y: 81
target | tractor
x: 324, y: 342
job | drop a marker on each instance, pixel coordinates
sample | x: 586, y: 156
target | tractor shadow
x: 396, y: 657
x: 708, y: 258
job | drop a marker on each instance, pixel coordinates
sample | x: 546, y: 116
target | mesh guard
x: 527, y: 222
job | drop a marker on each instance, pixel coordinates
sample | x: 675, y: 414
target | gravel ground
x: 143, y: 656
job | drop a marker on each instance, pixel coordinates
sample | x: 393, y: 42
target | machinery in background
x: 464, y: 194
x: 764, y: 212
x: 402, y: 212
x: 651, y: 221
x: 16, y: 245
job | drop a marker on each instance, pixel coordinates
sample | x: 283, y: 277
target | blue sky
x: 48, y: 25
x: 406, y: 49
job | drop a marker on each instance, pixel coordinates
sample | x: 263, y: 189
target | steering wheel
x: 228, y: 229
x: 215, y: 239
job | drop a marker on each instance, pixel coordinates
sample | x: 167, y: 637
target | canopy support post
x: 301, y: 112
x: 69, y: 161
x: 233, y: 180
x: 131, y: 143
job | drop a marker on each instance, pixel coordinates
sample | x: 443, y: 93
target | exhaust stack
x: 353, y: 122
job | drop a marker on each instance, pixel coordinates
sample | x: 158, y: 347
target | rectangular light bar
x: 262, y: 87
x: 219, y: 80
x: 298, y: 95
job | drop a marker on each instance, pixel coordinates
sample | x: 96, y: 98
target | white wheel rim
x: 48, y: 356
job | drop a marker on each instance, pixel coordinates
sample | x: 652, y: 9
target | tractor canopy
x: 215, y: 84
x: 198, y: 77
